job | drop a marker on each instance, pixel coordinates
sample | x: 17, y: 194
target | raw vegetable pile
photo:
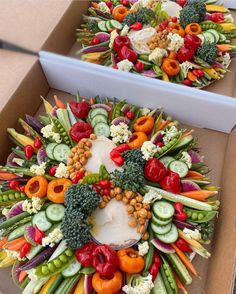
x: 189, y: 42
x: 56, y: 177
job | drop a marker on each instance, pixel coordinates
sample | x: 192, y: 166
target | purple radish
x: 42, y: 156
x: 54, y: 111
x: 126, y: 108
x: 10, y: 158
x: 34, y: 123
x: 165, y: 248
x: 102, y: 37
x: 149, y: 73
x: 88, y: 288
x: 41, y: 257
x: 94, y: 49
x: 182, y: 225
x: 15, y: 272
x: 101, y: 105
x: 29, y: 235
x: 188, y: 186
x: 157, y: 138
x: 120, y: 119
x: 15, y: 210
x: 196, y: 158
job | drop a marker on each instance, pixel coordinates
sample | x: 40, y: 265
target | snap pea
x: 56, y: 265
x: 210, y: 25
x: 25, y: 283
x: 201, y: 62
x: 167, y: 148
x: 11, y: 196
x: 149, y: 256
x: 9, y: 222
x: 104, y: 174
x: 61, y: 130
x: 67, y: 285
x: 91, y: 179
x: 199, y: 216
x: 168, y: 277
x: 55, y: 284
x: 117, y: 110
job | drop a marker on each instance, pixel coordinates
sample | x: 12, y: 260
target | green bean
x: 61, y: 130
x: 199, y: 216
x: 16, y: 225
x: 166, y: 280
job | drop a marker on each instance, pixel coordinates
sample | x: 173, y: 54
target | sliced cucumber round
x: 99, y: 118
x: 179, y: 167
x: 163, y: 210
x: 41, y: 221
x: 55, y: 212
x: 215, y: 34
x: 209, y: 37
x: 72, y: 269
x: 161, y: 230
x: 97, y: 111
x: 116, y: 24
x: 169, y: 237
x: 109, y: 25
x: 102, y: 26
x: 102, y: 129
x: 49, y: 150
x: 155, y: 220
x: 166, y: 160
x: 61, y: 152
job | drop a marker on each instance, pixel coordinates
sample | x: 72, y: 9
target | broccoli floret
x: 145, y: 15
x: 131, y: 178
x: 92, y: 25
x: 134, y: 155
x: 207, y: 52
x: 199, y: 6
x: 130, y: 19
x: 188, y: 15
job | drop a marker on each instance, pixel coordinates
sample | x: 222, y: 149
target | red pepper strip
x: 183, y: 245
x: 84, y: 254
x: 121, y: 41
x: 38, y: 235
x: 80, y: 130
x: 105, y: 261
x: 122, y: 147
x: 180, y: 215
x: 154, y: 170
x: 37, y: 143
x: 136, y: 26
x: 117, y: 158
x: 29, y: 151
x: 171, y: 182
x: 156, y: 263
x: 25, y: 248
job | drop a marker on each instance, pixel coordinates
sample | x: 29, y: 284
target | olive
x: 69, y: 252
x: 45, y: 270
x: 5, y: 198
x: 63, y: 258
x: 51, y: 267
x: 194, y: 216
x: 57, y: 263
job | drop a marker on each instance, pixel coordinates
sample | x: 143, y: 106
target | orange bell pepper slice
x: 56, y: 190
x: 36, y: 187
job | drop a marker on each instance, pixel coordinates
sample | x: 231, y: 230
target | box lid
x: 37, y: 24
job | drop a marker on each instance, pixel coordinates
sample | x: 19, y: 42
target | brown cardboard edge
x: 33, y: 85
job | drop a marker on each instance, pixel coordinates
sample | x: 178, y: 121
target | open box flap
x: 186, y: 104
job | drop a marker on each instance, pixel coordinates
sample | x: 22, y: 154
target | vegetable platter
x: 187, y: 42
x: 101, y: 196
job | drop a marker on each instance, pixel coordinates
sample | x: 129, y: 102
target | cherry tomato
x: 106, y: 192
x: 14, y: 185
x: 139, y: 66
x: 37, y: 143
x: 130, y: 115
x: 187, y: 82
x: 95, y: 41
x: 104, y: 184
x: 52, y: 170
x: 174, y: 19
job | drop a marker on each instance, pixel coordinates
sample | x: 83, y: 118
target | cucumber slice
x: 161, y: 230
x: 102, y: 129
x: 209, y: 37
x: 155, y: 220
x: 182, y: 143
x: 166, y: 160
x: 116, y: 24
x: 108, y: 25
x: 18, y: 232
x: 163, y: 210
x: 169, y: 237
x: 159, y: 286
x: 72, y: 269
x: 97, y: 111
x: 41, y: 221
x: 102, y: 26
x: 215, y: 34
x: 55, y: 212
x: 99, y: 118
x: 201, y: 36
x: 61, y: 152
x: 179, y: 167
x: 49, y: 150
x: 222, y: 37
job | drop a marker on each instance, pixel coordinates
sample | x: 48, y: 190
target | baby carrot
x: 59, y: 102
x: 15, y: 244
x: 22, y: 276
x: 187, y: 134
x: 179, y: 284
x: 195, y: 175
x: 201, y: 195
x: 3, y: 242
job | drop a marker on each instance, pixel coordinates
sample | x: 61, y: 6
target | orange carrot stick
x: 163, y: 125
x: 223, y: 47
x: 187, y: 134
x: 194, y: 174
x: 59, y: 102
x: 15, y: 244
x: 201, y: 195
x: 179, y: 284
x: 5, y: 176
x: 3, y: 242
x: 22, y: 276
x: 184, y: 259
x: 191, y: 76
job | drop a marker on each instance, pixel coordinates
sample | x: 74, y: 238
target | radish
x: 165, y: 248
x: 188, y: 186
x: 196, y: 158
x: 101, y: 105
x: 149, y: 73
x: 120, y: 119
x: 15, y: 210
x: 102, y: 37
x: 42, y: 155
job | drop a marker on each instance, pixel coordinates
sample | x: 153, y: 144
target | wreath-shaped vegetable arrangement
x: 188, y: 42
x: 105, y: 196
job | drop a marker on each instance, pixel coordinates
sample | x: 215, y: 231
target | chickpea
x: 83, y: 160
x: 133, y: 202
x: 125, y: 200
x: 93, y: 137
x: 141, y: 221
x: 88, y: 143
x: 82, y: 170
x: 129, y: 194
x: 71, y: 155
x: 118, y: 197
x: 130, y: 209
x: 113, y: 185
x: 117, y: 190
x: 138, y: 206
x: 132, y: 223
x: 76, y: 158
x: 146, y: 206
x: 145, y: 237
x: 70, y: 161
x: 112, y: 193
x: 139, y: 198
x: 72, y: 175
x: 135, y: 214
x: 70, y: 169
x: 152, y: 46
x: 80, y: 150
x: 87, y: 154
x: 142, y: 213
x: 149, y: 215
x: 102, y: 204
x: 142, y: 229
x: 74, y: 149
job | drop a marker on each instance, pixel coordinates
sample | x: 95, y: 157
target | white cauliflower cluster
x: 53, y: 238
x: 32, y: 206
x: 149, y: 149
x: 185, y: 67
x: 144, y: 287
x: 196, y: 235
x: 151, y: 196
x: 186, y: 158
x: 176, y: 41
x: 14, y: 254
x: 38, y: 170
x: 157, y: 55
x: 61, y: 171
x: 143, y: 248
x: 48, y: 132
x: 169, y: 134
x: 113, y: 35
x: 125, y: 65
x: 120, y: 133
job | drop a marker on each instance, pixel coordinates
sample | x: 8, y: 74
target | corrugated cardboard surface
x: 39, y: 24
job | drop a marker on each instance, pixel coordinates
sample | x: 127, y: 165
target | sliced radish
x: 120, y: 119
x: 101, y: 105
x: 163, y: 247
x: 188, y: 186
x: 196, y: 157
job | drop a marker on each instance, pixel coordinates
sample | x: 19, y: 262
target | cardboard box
x: 218, y: 147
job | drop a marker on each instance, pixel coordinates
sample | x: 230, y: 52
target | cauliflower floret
x: 61, y: 171
x: 125, y: 65
x: 143, y: 248
x: 53, y: 238
x: 149, y: 149
x: 151, y: 196
x: 157, y: 55
x: 185, y: 67
x: 32, y: 206
x: 120, y: 133
x: 142, y: 285
x: 113, y: 35
x: 104, y: 8
x: 196, y: 235
x: 176, y: 41
x: 48, y: 131
x: 124, y: 31
x: 169, y: 134
x: 186, y: 158
x: 38, y: 170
